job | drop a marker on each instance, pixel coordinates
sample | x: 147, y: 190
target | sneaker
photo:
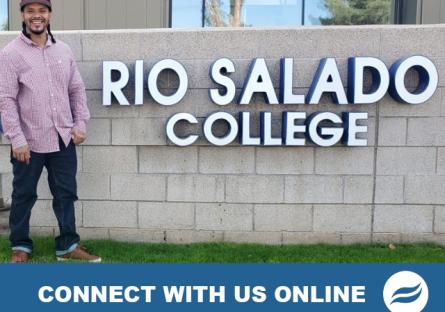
x: 19, y: 256
x: 79, y: 254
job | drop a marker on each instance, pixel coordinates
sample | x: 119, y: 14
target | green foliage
x: 357, y: 12
x: 120, y: 252
x: 4, y: 25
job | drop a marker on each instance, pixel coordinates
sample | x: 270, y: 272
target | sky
x: 187, y: 13
x: 3, y: 10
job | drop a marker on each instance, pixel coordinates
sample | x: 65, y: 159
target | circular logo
x: 405, y: 292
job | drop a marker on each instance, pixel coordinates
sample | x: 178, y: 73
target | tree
x: 357, y: 12
x: 217, y: 17
x: 4, y: 25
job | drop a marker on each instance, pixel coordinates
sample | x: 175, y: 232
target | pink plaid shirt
x: 41, y: 94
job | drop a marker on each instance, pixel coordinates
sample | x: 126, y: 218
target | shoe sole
x: 60, y: 259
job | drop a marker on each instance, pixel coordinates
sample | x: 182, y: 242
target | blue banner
x: 220, y: 287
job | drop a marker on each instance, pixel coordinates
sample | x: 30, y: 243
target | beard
x: 36, y: 29
x: 37, y: 32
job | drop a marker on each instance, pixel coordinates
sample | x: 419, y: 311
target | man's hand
x: 78, y: 136
x: 22, y: 154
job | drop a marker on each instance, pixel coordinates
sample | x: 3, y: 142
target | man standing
x: 44, y: 114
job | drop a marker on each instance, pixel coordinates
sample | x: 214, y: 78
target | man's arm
x: 78, y: 103
x: 9, y: 88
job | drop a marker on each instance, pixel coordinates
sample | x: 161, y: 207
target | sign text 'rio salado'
x: 320, y: 128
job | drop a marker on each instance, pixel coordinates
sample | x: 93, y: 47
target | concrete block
x: 44, y: 231
x: 6, y: 37
x: 109, y: 214
x: 392, y: 131
x: 195, y: 102
x: 442, y: 108
x: 282, y: 218
x: 192, y: 236
x: 277, y: 160
x: 43, y: 191
x: 386, y: 238
x: 168, y: 159
x: 440, y: 65
x: 153, y: 215
x: 79, y: 154
x: 349, y: 239
x: 138, y: 187
x: 98, y: 132
x: 226, y: 160
x: 389, y: 189
x: 73, y: 40
x: 413, y: 238
x: 313, y: 189
x: 229, y: 217
x: 4, y: 140
x: 263, y: 238
x: 439, y: 219
x: 195, y: 188
x: 403, y: 219
x: 344, y: 160
x: 406, y: 160
x: 110, y: 159
x: 6, y: 190
x: 93, y: 233
x: 211, y: 44
x: 390, y: 108
x: 98, y: 110
x: 254, y: 189
x: 137, y: 235
x: 148, y: 131
x: 439, y: 239
x: 398, y: 42
x: 426, y: 131
x: 441, y: 161
x: 329, y: 46
x: 93, y: 186
x: 342, y: 218
x: 5, y: 159
x: 425, y: 190
x: 358, y: 189
x: 302, y: 238
x: 101, y: 45
x: 91, y: 73
x: 42, y: 214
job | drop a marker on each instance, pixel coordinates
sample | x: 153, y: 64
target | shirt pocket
x: 60, y: 72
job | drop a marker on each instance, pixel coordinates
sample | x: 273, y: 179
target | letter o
x: 60, y: 290
x: 428, y: 80
x: 153, y: 85
x: 232, y: 132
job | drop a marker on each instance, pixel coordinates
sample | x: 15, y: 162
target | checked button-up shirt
x: 41, y: 94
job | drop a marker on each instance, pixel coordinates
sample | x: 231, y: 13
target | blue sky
x: 187, y: 13
x: 3, y: 10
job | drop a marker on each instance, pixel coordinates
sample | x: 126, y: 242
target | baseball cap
x: 23, y: 3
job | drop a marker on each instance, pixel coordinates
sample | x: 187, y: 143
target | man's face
x: 36, y: 17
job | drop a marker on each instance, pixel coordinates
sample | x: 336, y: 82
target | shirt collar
x: 32, y: 43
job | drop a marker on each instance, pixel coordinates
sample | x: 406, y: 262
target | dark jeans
x: 61, y: 167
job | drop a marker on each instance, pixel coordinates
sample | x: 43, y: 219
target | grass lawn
x: 119, y: 252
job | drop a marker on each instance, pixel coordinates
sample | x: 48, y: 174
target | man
x: 44, y: 114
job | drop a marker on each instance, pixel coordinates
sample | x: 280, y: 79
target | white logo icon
x: 405, y: 292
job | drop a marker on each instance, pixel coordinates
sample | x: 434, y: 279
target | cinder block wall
x: 135, y: 185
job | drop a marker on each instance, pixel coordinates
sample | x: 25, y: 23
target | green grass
x: 119, y: 252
